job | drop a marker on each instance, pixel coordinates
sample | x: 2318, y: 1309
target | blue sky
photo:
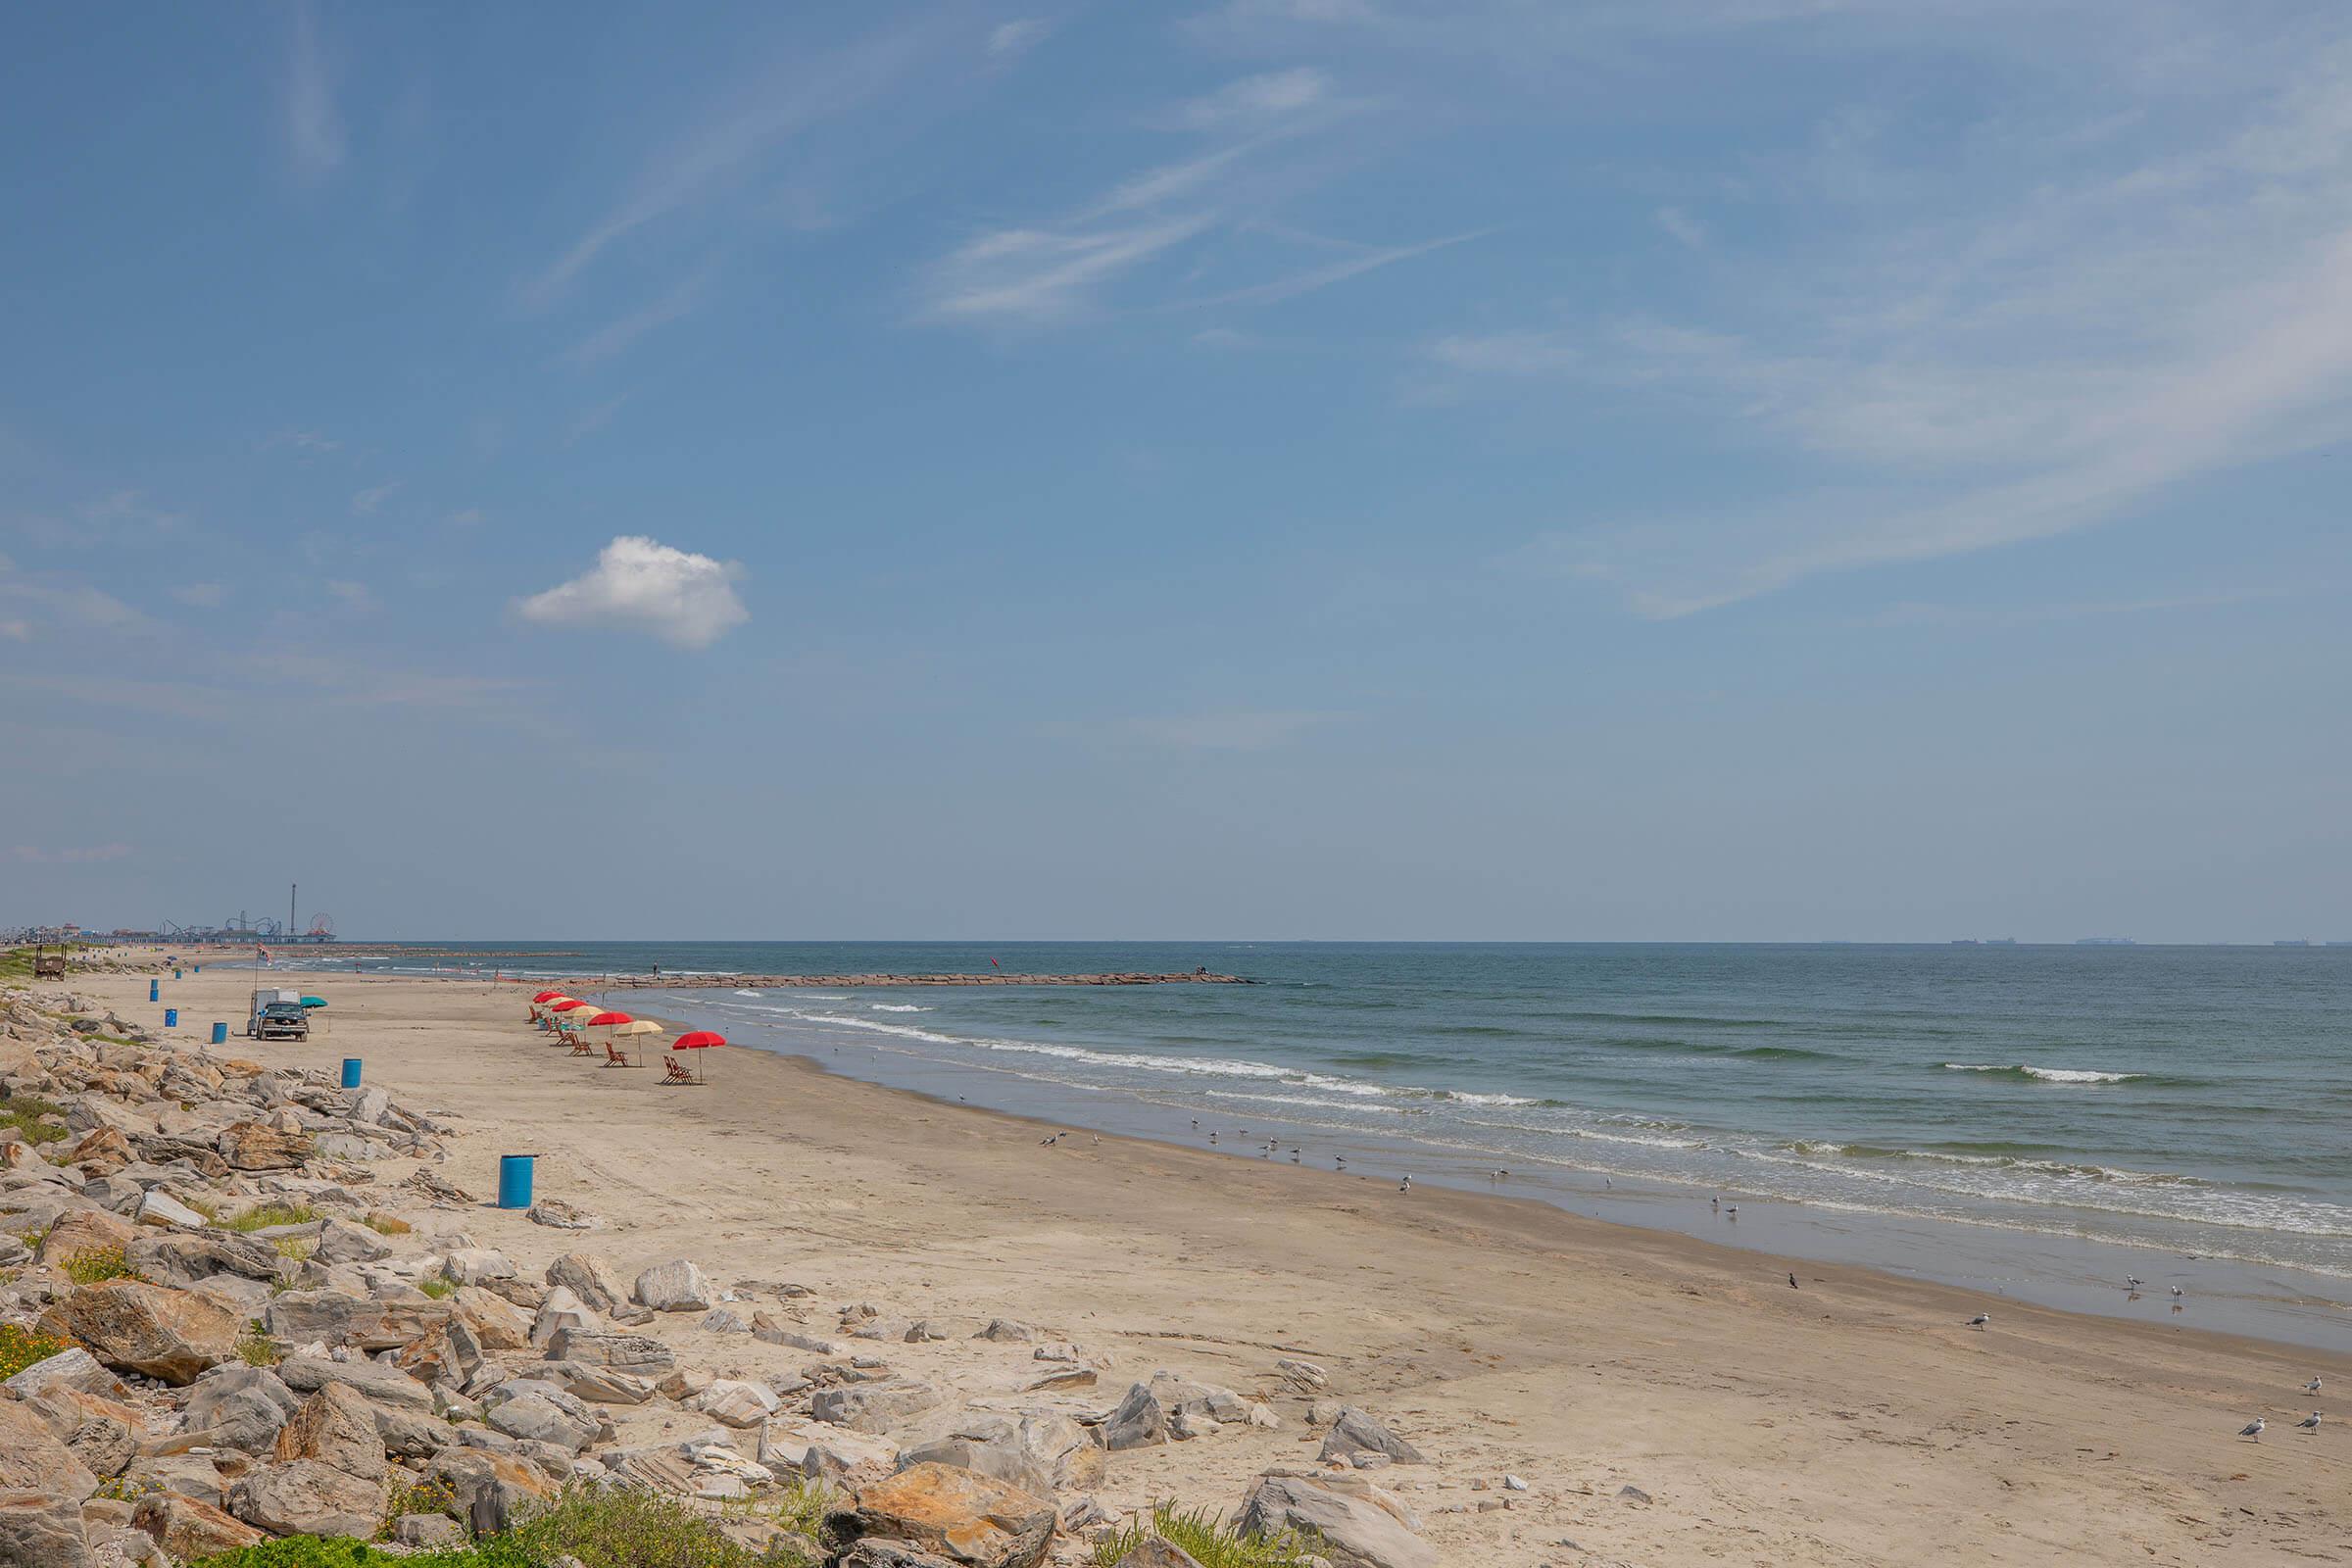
x: 1732, y: 469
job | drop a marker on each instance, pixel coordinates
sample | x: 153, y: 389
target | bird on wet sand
x: 1044, y: 1141
x: 2253, y: 1429
x: 2310, y: 1423
x: 1981, y: 1320
x: 2313, y: 1387
x: 2132, y: 1282
x: 2177, y: 1291
x: 1793, y: 1279
x: 1406, y: 1185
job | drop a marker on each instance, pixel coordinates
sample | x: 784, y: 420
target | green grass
x: 264, y: 1215
x: 24, y: 1117
x: 440, y: 1287
x: 1211, y: 1541
x: 602, y: 1528
x: 94, y: 1263
x: 255, y: 1347
x: 21, y: 1348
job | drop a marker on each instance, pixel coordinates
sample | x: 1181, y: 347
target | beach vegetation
x: 386, y: 1224
x: 95, y: 1263
x: 27, y: 1115
x: 440, y: 1287
x: 597, y: 1528
x: 21, y: 1347
x: 255, y: 1347
x: 262, y: 1216
x: 297, y: 1248
x: 1207, y: 1537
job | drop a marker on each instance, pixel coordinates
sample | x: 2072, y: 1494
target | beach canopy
x: 637, y: 1026
x: 699, y: 1040
x: 549, y: 995
x: 606, y: 1020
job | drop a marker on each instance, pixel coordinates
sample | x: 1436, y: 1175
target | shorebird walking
x: 1793, y: 1279
x: 2253, y: 1429
x: 2313, y: 1387
x: 2310, y: 1423
x: 2177, y: 1293
x: 1733, y: 1211
x: 1406, y: 1185
x: 2132, y: 1282
x: 1979, y: 1321
x: 1048, y: 1142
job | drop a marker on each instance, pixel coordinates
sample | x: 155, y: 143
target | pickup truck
x: 281, y: 1020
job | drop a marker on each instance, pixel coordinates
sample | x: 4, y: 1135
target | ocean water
x: 2188, y: 1103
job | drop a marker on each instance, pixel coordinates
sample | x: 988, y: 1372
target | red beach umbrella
x: 699, y: 1040
x: 547, y: 995
x: 603, y: 1019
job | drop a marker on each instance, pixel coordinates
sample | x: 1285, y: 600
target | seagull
x: 2253, y: 1429
x: 2176, y: 1291
x: 1733, y: 1211
x: 2310, y: 1423
x: 1212, y: 1137
x: 1793, y: 1279
x: 2313, y: 1387
x: 1980, y: 1320
x: 1046, y: 1142
x: 1606, y: 1182
x: 2132, y: 1282
x: 1406, y: 1185
x: 1715, y: 1203
x: 1196, y: 1121
x: 1340, y: 1161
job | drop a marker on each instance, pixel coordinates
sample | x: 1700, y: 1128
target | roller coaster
x: 241, y: 928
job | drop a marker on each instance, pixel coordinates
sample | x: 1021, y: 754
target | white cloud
x: 1252, y: 101
x: 641, y: 585
x: 1528, y: 353
x: 201, y: 595
x: 1035, y: 275
x: 1017, y: 36
x: 313, y: 128
x: 354, y: 595
x: 368, y: 501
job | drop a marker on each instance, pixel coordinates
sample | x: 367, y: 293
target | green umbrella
x: 314, y: 1002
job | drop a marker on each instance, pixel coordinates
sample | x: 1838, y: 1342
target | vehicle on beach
x: 278, y: 1016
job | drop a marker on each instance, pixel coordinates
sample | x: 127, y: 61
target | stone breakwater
x: 256, y: 1311
x: 827, y: 981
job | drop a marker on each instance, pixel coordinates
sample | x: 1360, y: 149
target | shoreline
x: 1853, y: 1419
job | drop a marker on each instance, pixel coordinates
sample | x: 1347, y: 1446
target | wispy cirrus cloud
x: 1950, y: 369
x: 1062, y: 269
x: 1017, y: 36
x: 314, y: 140
x: 367, y: 502
x: 617, y: 337
x: 732, y: 144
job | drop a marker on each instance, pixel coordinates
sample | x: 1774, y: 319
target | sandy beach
x: 1851, y: 1420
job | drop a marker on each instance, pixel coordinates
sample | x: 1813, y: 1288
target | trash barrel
x: 515, y: 1180
x: 155, y: 990
x: 171, y: 1017
x: 351, y: 1072
x: 176, y: 975
x: 220, y: 1034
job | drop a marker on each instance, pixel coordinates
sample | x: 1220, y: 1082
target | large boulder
x: 75, y: 1369
x: 873, y: 1406
x: 534, y: 1410
x: 1355, y: 1434
x: 307, y: 1374
x: 241, y: 1407
x: 676, y: 1286
x: 42, y: 1531
x: 1157, y: 1554
x: 84, y: 1230
x: 161, y: 1333
x: 183, y: 1259
x: 630, y: 1353
x: 475, y: 1265
x: 735, y: 1403
x: 1359, y: 1525
x: 338, y: 1317
x: 960, y: 1515
x: 342, y: 1242
x: 33, y: 1459
x: 1040, y: 1454
x: 498, y: 1324
x: 337, y: 1426
x: 304, y: 1498
x: 591, y: 1279
x: 162, y: 1210
x: 255, y: 1146
x: 561, y: 1310
x: 598, y: 1385
x: 1170, y: 1407
x: 187, y: 1529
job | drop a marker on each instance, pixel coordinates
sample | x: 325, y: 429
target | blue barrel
x: 515, y: 1180
x: 220, y: 1034
x: 351, y: 1072
x: 155, y: 990
x: 175, y: 974
x: 200, y: 969
x: 171, y: 1017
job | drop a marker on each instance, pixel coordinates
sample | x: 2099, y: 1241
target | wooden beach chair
x: 615, y: 1056
x: 581, y: 1047
x: 673, y: 1073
